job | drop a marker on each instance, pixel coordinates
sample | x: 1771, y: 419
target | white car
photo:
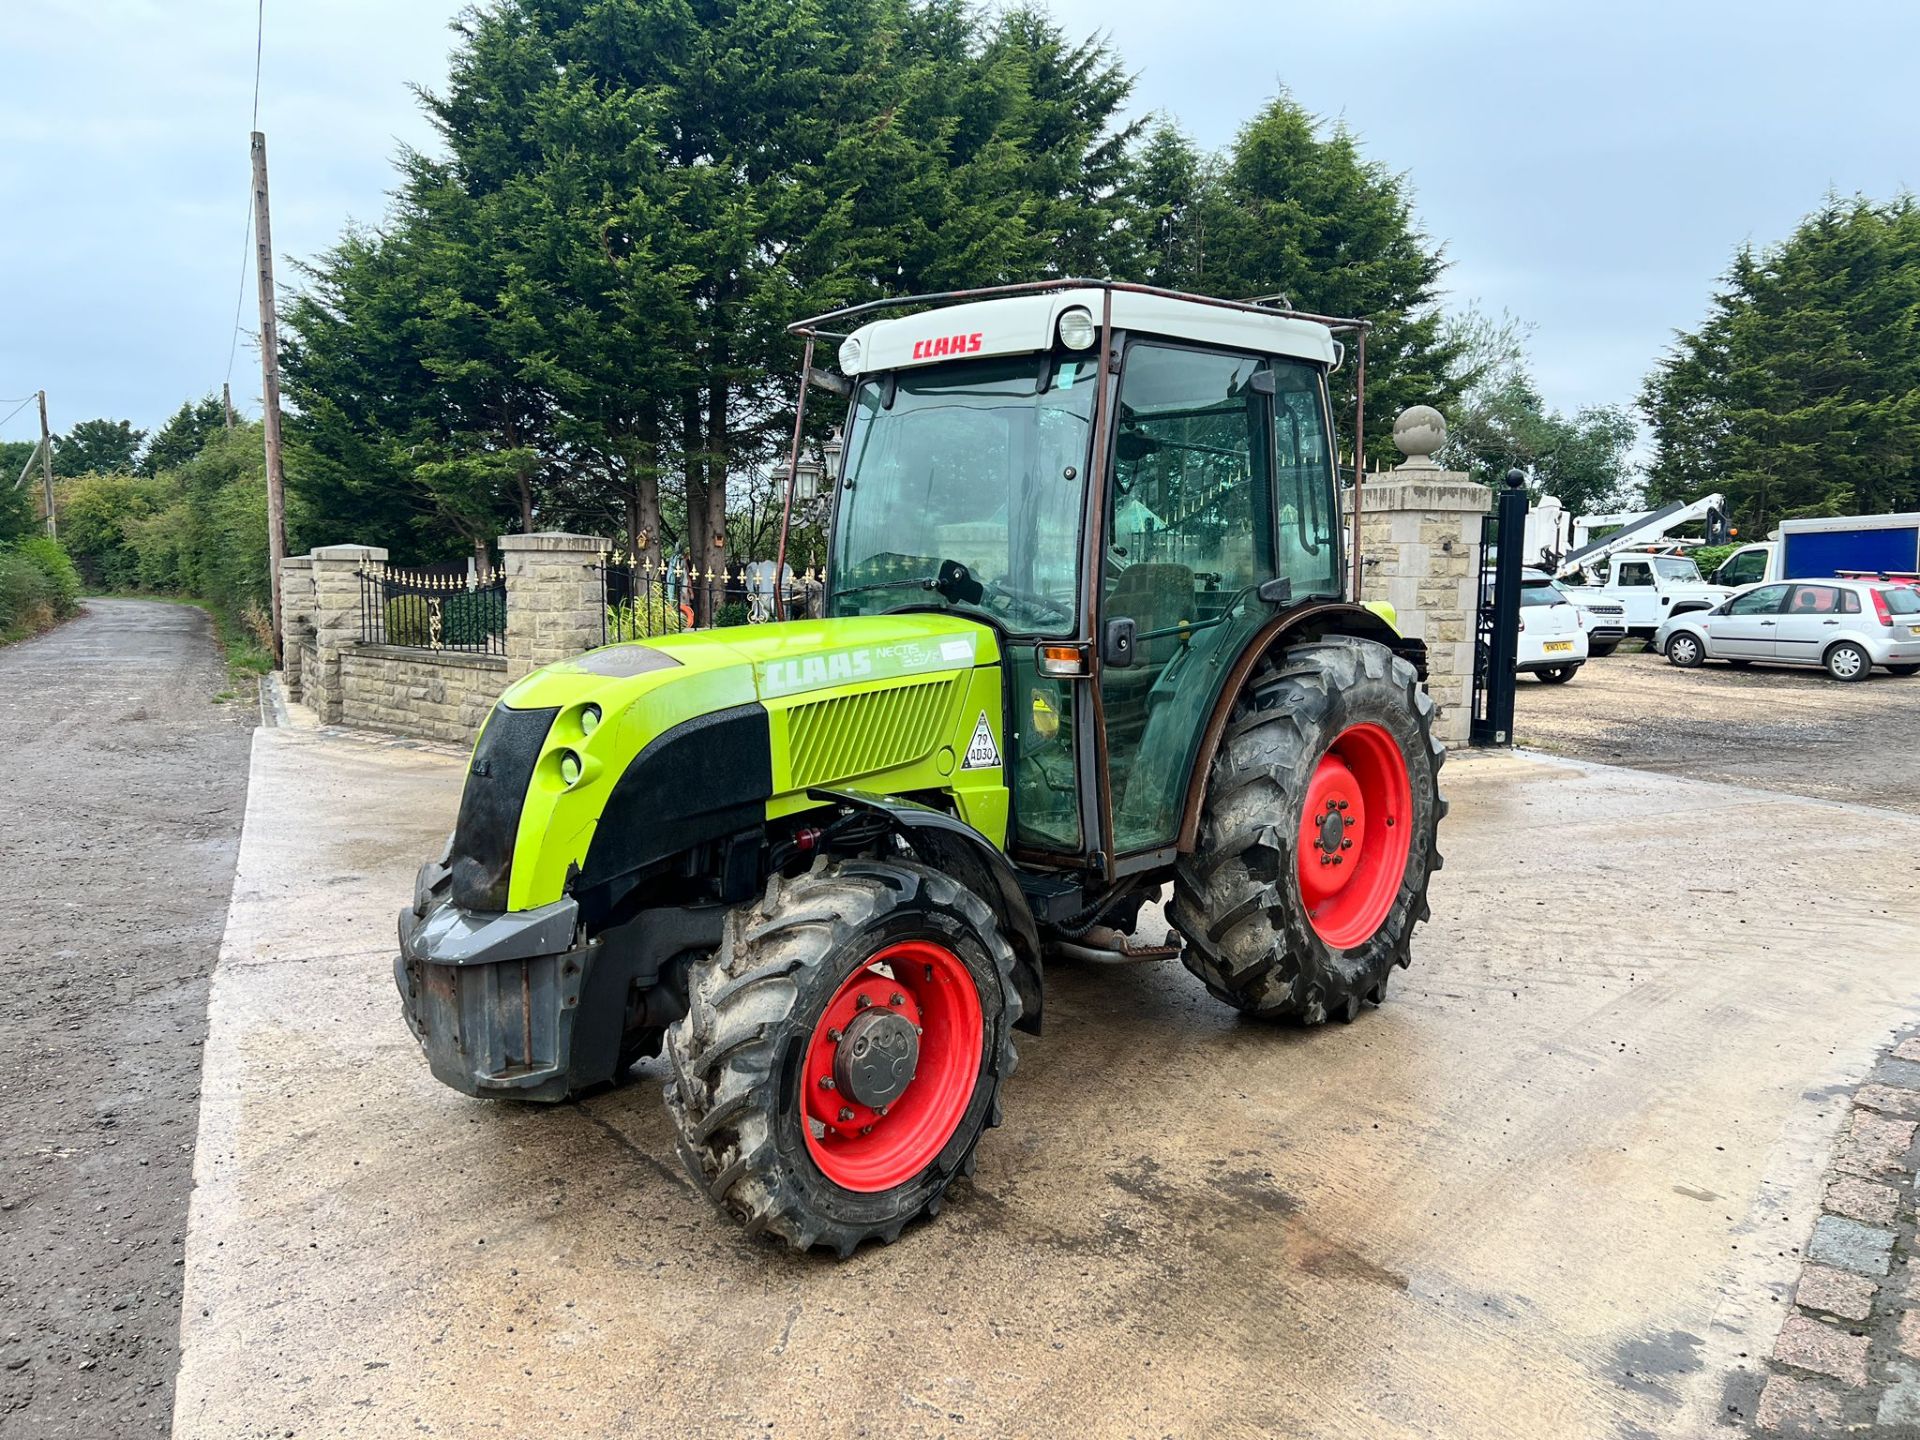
x: 1553, y: 636
x: 1605, y: 621
x: 1845, y: 626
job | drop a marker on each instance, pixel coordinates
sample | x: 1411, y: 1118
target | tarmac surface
x: 1556, y: 1186
x: 121, y: 786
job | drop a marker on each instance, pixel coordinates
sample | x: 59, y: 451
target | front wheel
x: 1903, y: 670
x: 1317, y: 840
x: 843, y: 1051
x: 1686, y: 651
x: 1848, y: 661
x: 1599, y: 650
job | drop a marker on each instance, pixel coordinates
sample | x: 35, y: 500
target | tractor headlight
x: 1076, y: 328
x: 850, y: 356
x: 569, y: 766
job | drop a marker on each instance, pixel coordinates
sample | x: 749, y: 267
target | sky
x: 1589, y: 167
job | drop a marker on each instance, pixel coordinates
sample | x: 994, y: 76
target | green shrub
x: 1710, y: 558
x: 38, y: 586
x: 63, y: 580
x: 644, y: 619
x: 734, y: 612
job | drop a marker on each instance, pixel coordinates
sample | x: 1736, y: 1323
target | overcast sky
x: 1590, y: 167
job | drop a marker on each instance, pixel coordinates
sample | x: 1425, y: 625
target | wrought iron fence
x: 423, y: 609
x: 642, y: 599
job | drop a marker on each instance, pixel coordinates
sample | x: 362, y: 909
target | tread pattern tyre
x: 735, y: 1096
x: 1237, y: 898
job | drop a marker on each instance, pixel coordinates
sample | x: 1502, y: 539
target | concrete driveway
x: 1555, y: 1187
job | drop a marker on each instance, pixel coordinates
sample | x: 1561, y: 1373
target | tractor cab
x: 1127, y: 486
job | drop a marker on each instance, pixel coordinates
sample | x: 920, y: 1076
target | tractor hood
x: 594, y: 767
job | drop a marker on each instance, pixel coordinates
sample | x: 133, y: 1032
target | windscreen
x: 1673, y: 567
x: 964, y: 486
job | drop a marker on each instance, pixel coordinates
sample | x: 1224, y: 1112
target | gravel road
x: 1778, y: 728
x: 122, y: 793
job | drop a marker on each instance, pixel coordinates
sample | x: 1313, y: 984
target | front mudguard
x: 521, y: 1005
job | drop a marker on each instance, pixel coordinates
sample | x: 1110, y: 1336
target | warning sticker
x: 982, y: 753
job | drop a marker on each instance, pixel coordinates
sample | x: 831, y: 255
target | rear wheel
x: 1685, y: 650
x: 843, y: 1051
x: 1558, y: 675
x: 1848, y: 661
x: 1317, y: 840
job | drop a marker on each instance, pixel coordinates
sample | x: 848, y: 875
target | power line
x: 18, y: 408
x: 246, y: 239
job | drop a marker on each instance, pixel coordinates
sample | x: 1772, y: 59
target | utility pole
x: 46, y: 466
x: 270, y: 380
x: 226, y: 402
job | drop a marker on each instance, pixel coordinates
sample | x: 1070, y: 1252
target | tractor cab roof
x: 1025, y: 319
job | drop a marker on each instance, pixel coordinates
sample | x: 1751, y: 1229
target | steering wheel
x: 961, y: 586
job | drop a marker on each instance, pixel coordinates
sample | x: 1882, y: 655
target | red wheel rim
x: 863, y: 1148
x: 1356, y: 833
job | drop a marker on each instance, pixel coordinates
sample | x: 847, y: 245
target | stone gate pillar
x: 1420, y: 552
x: 296, y: 617
x: 336, y: 622
x: 555, y: 603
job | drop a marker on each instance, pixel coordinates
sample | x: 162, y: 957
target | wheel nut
x: 845, y: 1114
x: 866, y: 1129
x: 826, y: 1082
x: 833, y: 1034
x: 881, y: 1111
x: 862, y: 1001
x: 896, y: 998
x: 1346, y: 844
x: 1343, y: 804
x: 1336, y: 859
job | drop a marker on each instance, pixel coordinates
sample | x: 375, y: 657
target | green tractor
x: 1084, y: 636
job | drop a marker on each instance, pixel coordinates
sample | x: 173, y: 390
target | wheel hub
x: 876, y: 1057
x: 1355, y: 835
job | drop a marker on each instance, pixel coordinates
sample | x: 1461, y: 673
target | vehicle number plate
x: 1557, y: 647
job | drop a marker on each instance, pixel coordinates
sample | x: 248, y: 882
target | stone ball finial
x: 1419, y: 432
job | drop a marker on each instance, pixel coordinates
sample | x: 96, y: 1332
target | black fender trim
x: 955, y: 848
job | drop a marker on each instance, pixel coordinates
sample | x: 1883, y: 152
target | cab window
x: 1744, y: 568
x: 1635, y: 573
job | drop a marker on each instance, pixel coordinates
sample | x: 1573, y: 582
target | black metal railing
x: 423, y: 609
x: 642, y: 599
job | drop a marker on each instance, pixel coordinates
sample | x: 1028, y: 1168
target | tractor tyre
x: 843, y: 1051
x: 1318, y: 836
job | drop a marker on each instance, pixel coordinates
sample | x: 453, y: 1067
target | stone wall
x: 434, y: 694
x: 1420, y: 552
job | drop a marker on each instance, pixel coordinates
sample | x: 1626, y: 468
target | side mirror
x: 1117, y: 643
x: 1277, y: 592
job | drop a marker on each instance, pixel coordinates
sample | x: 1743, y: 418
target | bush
x: 57, y: 566
x: 1711, y: 557
x: 644, y: 618
x: 734, y: 612
x: 38, y: 586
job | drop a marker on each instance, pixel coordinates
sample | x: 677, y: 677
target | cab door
x: 1190, y: 535
x: 1633, y: 586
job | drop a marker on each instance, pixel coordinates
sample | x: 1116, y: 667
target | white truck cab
x: 1651, y: 589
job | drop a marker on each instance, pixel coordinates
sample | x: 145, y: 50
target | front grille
x: 490, y: 806
x: 846, y: 736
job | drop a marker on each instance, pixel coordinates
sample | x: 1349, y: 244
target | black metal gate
x: 1496, y: 631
